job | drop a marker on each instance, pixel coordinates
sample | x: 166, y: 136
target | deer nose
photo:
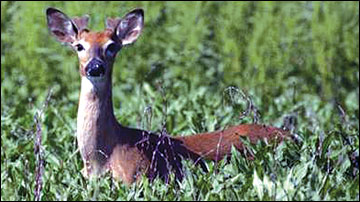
x: 95, y: 68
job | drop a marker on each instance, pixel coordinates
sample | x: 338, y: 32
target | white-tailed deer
x: 104, y: 144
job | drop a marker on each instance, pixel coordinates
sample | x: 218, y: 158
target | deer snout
x: 95, y: 68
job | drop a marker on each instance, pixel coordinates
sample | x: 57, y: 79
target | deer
x: 129, y: 153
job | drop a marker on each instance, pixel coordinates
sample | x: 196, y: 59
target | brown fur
x: 104, y: 144
x: 216, y: 145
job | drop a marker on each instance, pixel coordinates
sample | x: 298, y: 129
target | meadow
x: 197, y: 67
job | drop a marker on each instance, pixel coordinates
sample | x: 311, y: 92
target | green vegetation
x: 293, y: 59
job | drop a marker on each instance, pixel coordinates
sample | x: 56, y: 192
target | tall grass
x: 297, y: 59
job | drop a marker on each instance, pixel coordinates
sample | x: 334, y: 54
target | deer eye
x: 79, y: 47
x: 112, y: 49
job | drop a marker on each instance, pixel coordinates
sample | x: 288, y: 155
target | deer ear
x: 61, y: 26
x: 130, y: 26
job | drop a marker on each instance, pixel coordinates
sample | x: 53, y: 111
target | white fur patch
x: 86, y: 46
x: 107, y: 44
x: 86, y: 85
x: 92, y: 84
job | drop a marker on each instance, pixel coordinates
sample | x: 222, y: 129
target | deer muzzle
x: 95, y: 68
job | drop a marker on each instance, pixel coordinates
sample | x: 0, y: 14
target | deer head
x: 96, y: 50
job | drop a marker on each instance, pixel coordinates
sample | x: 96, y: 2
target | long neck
x: 96, y: 123
x: 96, y: 100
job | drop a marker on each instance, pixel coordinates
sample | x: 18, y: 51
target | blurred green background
x: 289, y: 57
x: 257, y: 45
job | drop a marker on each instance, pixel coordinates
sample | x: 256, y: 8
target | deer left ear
x: 61, y: 26
x: 130, y: 27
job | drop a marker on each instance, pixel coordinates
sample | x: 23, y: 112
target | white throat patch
x: 92, y: 84
x: 86, y: 85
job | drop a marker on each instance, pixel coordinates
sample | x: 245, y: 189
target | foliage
x: 292, y: 59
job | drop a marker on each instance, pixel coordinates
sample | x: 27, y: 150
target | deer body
x: 104, y: 144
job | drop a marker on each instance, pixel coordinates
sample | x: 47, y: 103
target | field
x: 196, y: 67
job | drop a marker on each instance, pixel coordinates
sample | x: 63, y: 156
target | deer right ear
x: 130, y: 26
x: 61, y: 26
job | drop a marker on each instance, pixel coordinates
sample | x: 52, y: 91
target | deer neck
x: 96, y: 123
x: 96, y: 100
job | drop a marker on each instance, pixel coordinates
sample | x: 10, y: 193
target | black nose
x: 95, y: 68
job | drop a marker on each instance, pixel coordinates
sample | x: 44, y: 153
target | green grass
x: 296, y: 59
